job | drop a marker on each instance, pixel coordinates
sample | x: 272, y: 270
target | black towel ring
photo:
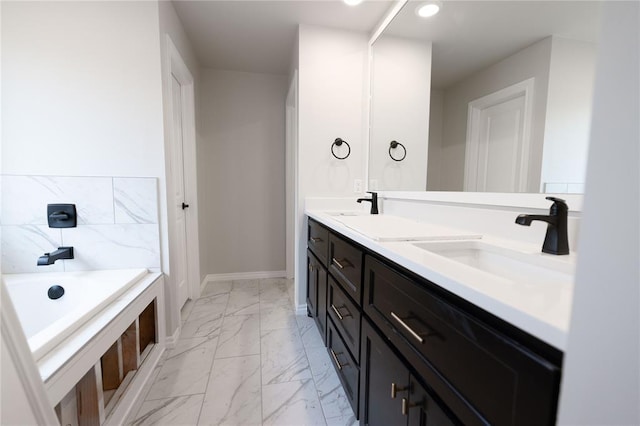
x: 394, y: 145
x: 339, y: 142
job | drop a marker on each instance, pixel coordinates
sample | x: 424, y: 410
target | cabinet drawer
x: 484, y: 376
x: 318, y: 240
x: 345, y: 264
x: 346, y: 317
x: 345, y: 366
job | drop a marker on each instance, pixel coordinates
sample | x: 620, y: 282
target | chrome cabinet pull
x: 336, y: 310
x: 335, y: 358
x: 315, y: 239
x: 395, y: 389
x: 406, y: 327
x: 406, y: 406
x: 339, y: 265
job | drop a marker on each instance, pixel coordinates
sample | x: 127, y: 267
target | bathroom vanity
x: 409, y: 350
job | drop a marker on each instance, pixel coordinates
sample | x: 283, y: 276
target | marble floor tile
x: 240, y: 336
x: 243, y: 302
x: 216, y: 301
x: 217, y: 287
x: 179, y: 410
x: 234, y: 393
x: 349, y: 420
x: 204, y: 321
x: 277, y: 317
x: 280, y: 340
x: 249, y: 286
x: 274, y: 289
x: 283, y: 356
x: 309, y: 332
x: 186, y: 369
x: 284, y: 367
x: 291, y: 404
x: 245, y: 358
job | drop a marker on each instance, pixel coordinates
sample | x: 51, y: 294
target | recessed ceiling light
x: 353, y: 2
x: 426, y: 10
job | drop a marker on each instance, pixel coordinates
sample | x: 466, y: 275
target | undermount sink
x: 517, y: 266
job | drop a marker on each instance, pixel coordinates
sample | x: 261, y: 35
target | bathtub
x: 48, y: 322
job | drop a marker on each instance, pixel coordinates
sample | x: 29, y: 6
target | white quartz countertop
x: 542, y: 310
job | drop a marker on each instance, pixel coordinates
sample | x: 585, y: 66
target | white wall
x: 568, y: 116
x: 241, y: 159
x: 332, y: 103
x: 532, y: 61
x: 434, y: 162
x: 400, y: 94
x: 81, y: 91
x: 601, y: 378
x: 81, y: 87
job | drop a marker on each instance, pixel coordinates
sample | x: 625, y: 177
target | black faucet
x: 373, y: 200
x: 50, y: 258
x: 556, y: 240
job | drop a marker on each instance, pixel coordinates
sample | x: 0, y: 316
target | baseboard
x: 170, y: 341
x: 301, y: 309
x: 243, y: 276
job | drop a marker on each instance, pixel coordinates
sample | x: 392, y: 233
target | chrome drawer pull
x: 409, y: 329
x: 315, y: 239
x: 406, y: 406
x: 339, y: 265
x: 395, y: 389
x: 335, y: 358
x: 340, y: 316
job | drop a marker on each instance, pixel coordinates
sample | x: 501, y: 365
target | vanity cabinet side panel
x: 312, y: 285
x: 317, y: 293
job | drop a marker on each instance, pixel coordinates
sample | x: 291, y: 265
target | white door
x: 179, y: 267
x: 498, y: 139
x: 499, y: 146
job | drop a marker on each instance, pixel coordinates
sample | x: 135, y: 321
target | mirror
x: 489, y: 96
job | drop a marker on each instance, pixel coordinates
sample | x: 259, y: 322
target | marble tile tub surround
x: 117, y: 222
x: 245, y: 358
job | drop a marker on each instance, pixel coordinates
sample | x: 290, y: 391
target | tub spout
x: 50, y: 258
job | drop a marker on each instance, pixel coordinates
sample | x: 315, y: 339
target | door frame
x: 291, y: 184
x: 177, y: 67
x: 472, y: 147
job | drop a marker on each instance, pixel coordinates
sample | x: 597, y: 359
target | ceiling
x: 259, y: 36
x: 468, y: 36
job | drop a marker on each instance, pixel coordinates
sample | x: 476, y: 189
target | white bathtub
x: 47, y: 322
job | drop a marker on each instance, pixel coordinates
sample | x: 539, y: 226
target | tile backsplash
x: 117, y: 222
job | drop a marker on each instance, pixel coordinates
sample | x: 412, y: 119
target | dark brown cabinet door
x: 384, y: 382
x: 321, y: 314
x: 317, y: 293
x: 312, y: 285
x: 422, y: 409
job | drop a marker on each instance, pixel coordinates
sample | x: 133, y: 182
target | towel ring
x: 394, y: 145
x: 339, y: 142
